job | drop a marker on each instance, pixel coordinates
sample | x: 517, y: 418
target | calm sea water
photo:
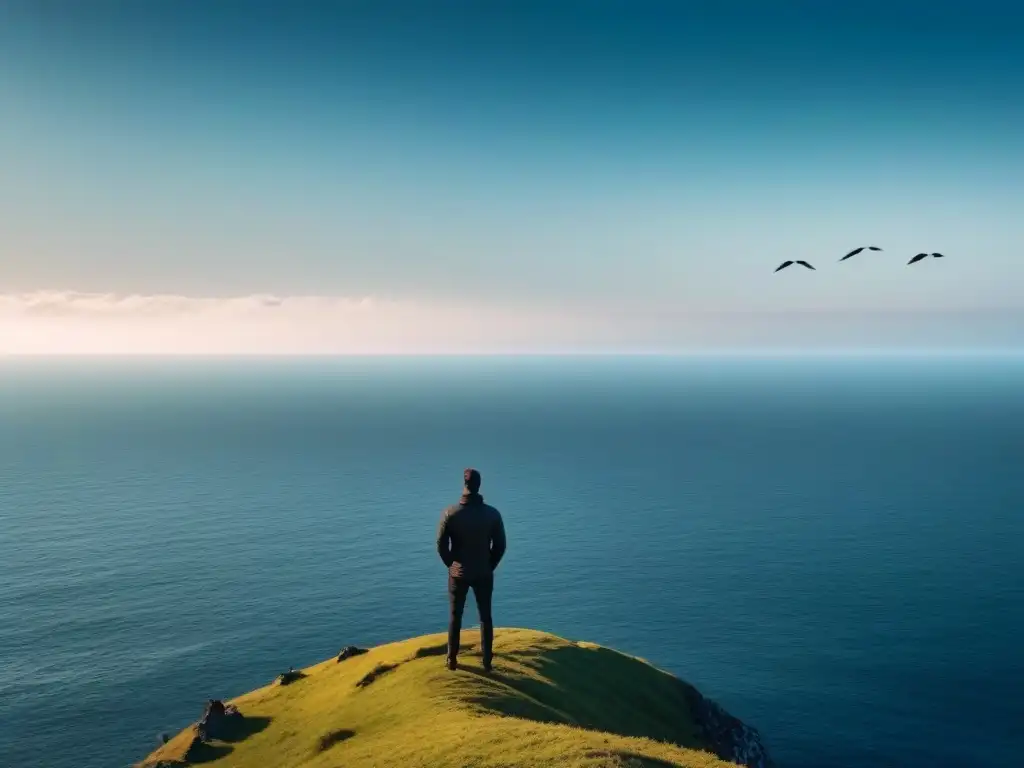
x: 832, y: 548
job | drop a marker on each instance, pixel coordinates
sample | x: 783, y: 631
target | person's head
x: 471, y: 479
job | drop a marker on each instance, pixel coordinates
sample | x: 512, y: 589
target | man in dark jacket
x: 471, y: 542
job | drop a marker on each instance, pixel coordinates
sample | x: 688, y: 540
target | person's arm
x: 444, y: 541
x: 497, y: 541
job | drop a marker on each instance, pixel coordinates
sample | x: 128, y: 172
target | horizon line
x: 1011, y: 351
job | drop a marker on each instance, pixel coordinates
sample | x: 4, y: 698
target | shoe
x: 451, y: 664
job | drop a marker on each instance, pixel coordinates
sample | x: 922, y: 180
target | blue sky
x: 606, y: 171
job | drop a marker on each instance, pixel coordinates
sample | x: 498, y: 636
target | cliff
x: 548, y: 702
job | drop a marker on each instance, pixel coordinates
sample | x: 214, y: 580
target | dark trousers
x: 482, y: 588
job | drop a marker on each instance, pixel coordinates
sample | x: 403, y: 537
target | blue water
x: 833, y: 548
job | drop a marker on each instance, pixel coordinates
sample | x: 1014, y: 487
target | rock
x: 727, y: 736
x: 349, y: 651
x: 217, y: 720
x: 286, y: 678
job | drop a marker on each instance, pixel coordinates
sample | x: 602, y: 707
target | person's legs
x: 457, y: 589
x: 483, y: 591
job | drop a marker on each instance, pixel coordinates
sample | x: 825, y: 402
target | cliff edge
x: 547, y: 702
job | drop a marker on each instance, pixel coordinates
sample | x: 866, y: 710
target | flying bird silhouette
x: 855, y: 251
x: 785, y: 264
x: 924, y: 256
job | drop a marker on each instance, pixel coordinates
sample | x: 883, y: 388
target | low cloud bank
x: 68, y: 322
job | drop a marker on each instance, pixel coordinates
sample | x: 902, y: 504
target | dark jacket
x: 471, y: 538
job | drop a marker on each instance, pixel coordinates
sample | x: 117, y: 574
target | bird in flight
x: 785, y: 264
x: 855, y: 251
x: 925, y: 256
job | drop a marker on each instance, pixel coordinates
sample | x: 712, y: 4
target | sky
x: 381, y: 177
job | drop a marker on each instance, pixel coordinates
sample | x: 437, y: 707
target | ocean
x: 831, y: 547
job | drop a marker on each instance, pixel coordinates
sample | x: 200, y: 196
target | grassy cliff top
x: 547, y: 702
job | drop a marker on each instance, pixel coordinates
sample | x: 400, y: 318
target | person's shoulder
x: 492, y: 510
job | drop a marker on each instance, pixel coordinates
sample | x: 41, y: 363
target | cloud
x: 108, y: 305
x: 70, y: 322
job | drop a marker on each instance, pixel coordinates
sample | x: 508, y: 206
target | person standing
x: 471, y: 543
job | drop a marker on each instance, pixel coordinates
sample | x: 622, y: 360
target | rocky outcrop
x: 349, y: 651
x: 218, y: 720
x: 289, y: 677
x: 727, y: 736
x: 198, y: 742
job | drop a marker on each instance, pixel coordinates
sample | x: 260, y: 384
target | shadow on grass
x: 634, y: 760
x: 241, y: 729
x: 503, y: 697
x: 440, y: 650
x: 596, y: 689
x: 331, y: 738
x: 204, y: 752
x: 373, y: 674
x: 430, y: 650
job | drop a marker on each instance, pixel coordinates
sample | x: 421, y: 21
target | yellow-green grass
x: 547, y: 702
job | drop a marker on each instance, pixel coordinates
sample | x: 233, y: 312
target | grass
x: 547, y: 702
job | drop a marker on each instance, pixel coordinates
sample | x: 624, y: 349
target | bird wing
x: 854, y: 252
x: 806, y: 264
x: 783, y: 265
x: 917, y: 258
x: 874, y: 248
x: 938, y: 255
